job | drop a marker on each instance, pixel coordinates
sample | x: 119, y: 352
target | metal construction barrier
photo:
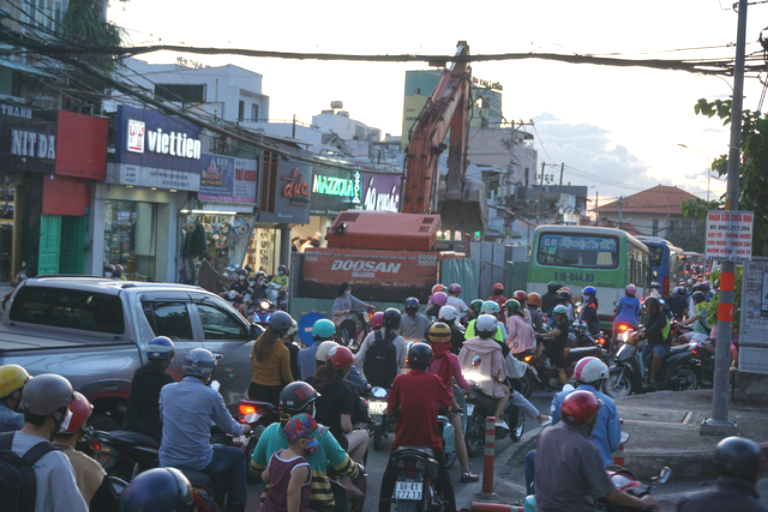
x: 618, y: 455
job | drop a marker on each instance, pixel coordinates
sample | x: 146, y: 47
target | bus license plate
x: 408, y: 491
x: 470, y: 409
x: 376, y: 407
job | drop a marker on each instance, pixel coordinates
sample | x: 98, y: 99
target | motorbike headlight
x: 264, y: 304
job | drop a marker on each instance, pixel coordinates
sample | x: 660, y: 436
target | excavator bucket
x: 466, y: 211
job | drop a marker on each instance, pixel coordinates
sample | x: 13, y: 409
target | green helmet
x: 513, y: 305
x: 323, y: 329
x: 476, y: 305
x: 560, y: 310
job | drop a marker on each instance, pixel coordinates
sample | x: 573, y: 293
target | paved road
x: 377, y: 461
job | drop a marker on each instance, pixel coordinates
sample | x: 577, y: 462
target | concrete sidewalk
x: 664, y: 429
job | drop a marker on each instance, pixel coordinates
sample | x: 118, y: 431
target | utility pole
x: 621, y: 212
x: 597, y: 206
x: 718, y: 424
x: 543, y: 164
x: 293, y: 130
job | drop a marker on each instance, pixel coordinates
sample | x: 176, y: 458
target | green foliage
x: 715, y: 302
x: 753, y: 174
x: 84, y: 18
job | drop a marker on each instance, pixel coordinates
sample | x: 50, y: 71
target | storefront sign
x: 335, y: 190
x: 729, y: 235
x: 27, y: 138
x: 381, y: 192
x: 292, y: 194
x: 81, y: 149
x: 225, y: 179
x: 164, y: 150
x: 393, y: 269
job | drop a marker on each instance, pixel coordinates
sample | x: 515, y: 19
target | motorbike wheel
x: 526, y: 385
x: 475, y: 437
x: 516, y: 420
x: 618, y: 384
x: 377, y: 438
x: 690, y: 376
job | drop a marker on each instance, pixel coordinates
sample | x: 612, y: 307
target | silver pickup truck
x: 94, y: 331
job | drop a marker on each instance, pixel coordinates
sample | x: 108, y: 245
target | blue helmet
x: 199, y: 362
x: 411, y: 303
x: 323, y: 329
x: 589, y: 290
x: 160, y: 348
x: 158, y: 490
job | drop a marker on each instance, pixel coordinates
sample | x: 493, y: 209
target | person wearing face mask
x: 342, y: 308
x: 45, y: 401
x: 259, y: 286
x: 109, y: 271
x: 281, y: 279
x: 299, y: 397
x: 589, y: 310
x: 241, y: 286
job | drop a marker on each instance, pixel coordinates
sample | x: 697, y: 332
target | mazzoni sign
x: 335, y: 190
x: 155, y: 150
x: 27, y: 138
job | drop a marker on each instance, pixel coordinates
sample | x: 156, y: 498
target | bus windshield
x: 567, y: 250
x: 656, y: 251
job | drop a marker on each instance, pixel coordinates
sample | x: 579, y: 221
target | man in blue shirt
x: 322, y: 330
x: 589, y: 373
x: 12, y: 380
x: 188, y: 408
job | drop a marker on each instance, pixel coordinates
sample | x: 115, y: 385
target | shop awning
x: 24, y: 68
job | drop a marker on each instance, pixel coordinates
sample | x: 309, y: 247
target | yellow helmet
x: 12, y: 377
x: 439, y: 333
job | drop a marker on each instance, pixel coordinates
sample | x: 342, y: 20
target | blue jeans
x: 649, y: 350
x: 529, y: 469
x: 231, y: 460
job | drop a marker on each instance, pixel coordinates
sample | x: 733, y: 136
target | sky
x: 616, y: 130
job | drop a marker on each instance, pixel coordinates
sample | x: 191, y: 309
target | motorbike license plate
x: 376, y: 407
x: 470, y: 409
x: 408, y: 490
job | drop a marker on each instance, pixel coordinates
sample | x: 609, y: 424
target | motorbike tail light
x: 246, y: 409
x: 695, y: 352
x: 95, y: 445
x: 410, y: 465
x: 623, y: 327
x: 528, y: 358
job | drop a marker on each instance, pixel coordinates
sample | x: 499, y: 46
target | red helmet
x: 439, y: 299
x: 579, y: 408
x: 455, y: 288
x: 438, y: 288
x: 377, y: 320
x: 81, y: 409
x: 520, y: 296
x: 340, y: 357
x: 498, y: 289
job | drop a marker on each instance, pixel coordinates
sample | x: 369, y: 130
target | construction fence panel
x: 463, y: 272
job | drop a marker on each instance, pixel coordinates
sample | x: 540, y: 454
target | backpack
x: 18, y: 484
x: 380, y: 365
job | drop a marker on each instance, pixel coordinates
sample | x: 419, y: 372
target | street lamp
x: 709, y: 170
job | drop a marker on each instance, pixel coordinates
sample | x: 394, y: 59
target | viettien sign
x: 27, y: 138
x: 393, y: 269
x: 149, y: 144
x: 226, y: 179
x: 729, y: 235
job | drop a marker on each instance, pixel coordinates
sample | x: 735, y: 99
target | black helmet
x: 296, y: 396
x: 739, y: 457
x: 698, y: 297
x: 411, y: 303
x: 391, y: 319
x: 553, y: 286
x: 280, y: 321
x: 563, y: 295
x: 419, y: 356
x: 652, y: 301
x: 160, y: 489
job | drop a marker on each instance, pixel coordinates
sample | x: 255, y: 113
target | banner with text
x: 729, y: 235
x: 227, y: 179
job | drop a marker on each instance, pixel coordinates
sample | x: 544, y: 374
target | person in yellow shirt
x: 271, y: 361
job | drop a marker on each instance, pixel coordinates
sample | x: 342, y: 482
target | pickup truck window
x: 69, y: 309
x: 169, y: 319
x: 220, y: 325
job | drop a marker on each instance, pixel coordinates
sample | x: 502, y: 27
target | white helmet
x: 590, y: 369
x: 447, y: 313
x: 486, y: 323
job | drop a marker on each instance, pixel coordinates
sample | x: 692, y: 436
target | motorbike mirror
x: 215, y: 385
x: 116, y: 486
x: 251, y: 417
x: 665, y: 475
x: 578, y: 304
x: 379, y: 392
x: 476, y: 361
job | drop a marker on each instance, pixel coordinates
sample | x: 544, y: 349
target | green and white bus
x: 578, y: 256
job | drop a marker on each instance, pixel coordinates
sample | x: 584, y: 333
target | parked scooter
x: 625, y: 481
x: 679, y: 371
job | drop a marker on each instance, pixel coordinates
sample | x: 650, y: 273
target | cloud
x: 590, y: 156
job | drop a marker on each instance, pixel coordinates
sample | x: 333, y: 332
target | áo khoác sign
x: 729, y: 235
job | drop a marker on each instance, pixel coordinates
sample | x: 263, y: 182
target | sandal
x: 469, y: 477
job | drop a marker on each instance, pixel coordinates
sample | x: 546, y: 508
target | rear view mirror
x: 215, y: 385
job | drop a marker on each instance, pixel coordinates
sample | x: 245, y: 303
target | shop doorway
x: 62, y: 243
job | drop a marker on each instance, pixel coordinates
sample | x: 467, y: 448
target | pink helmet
x: 377, y: 320
x: 631, y: 290
x: 439, y: 299
x: 455, y: 288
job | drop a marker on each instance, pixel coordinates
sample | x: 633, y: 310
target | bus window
x: 565, y: 250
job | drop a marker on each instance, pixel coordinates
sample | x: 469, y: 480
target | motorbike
x: 579, y: 336
x: 122, y: 453
x: 679, y: 371
x: 625, y: 481
x: 259, y: 415
x: 278, y: 295
x: 548, y: 379
x: 261, y: 311
x: 235, y: 299
x: 479, y: 407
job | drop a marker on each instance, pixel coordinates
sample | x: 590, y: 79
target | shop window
x: 254, y: 112
x: 268, y: 190
x: 220, y: 325
x: 69, y: 309
x: 241, y: 110
x: 169, y: 319
x: 130, y: 237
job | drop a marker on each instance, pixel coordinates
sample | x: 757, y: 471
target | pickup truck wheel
x: 105, y: 422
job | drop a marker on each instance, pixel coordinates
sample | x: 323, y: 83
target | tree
x: 753, y: 172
